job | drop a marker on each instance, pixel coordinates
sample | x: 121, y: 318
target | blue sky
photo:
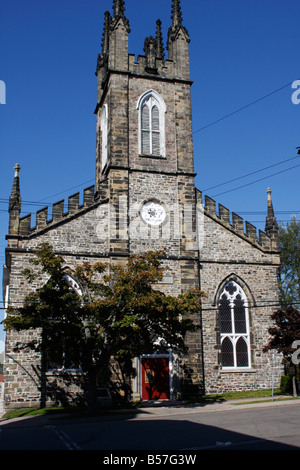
x: 244, y: 57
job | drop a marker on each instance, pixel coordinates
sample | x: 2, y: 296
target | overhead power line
x: 244, y: 107
x: 262, y: 304
x: 252, y: 173
x: 66, y: 190
x: 257, y: 181
x: 40, y: 202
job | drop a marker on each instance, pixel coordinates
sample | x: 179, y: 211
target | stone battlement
x: 61, y: 211
x: 234, y: 222
x: 162, y: 69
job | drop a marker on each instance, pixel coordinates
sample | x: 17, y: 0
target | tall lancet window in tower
x: 151, y: 124
x: 234, y: 327
x: 104, y: 127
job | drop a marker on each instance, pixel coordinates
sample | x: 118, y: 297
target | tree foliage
x: 285, y: 336
x: 285, y: 331
x: 289, y: 272
x: 119, y: 314
x: 286, y: 328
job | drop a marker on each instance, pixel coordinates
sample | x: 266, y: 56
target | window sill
x: 158, y: 157
x: 241, y: 370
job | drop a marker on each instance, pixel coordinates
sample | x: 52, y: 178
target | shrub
x: 286, y: 384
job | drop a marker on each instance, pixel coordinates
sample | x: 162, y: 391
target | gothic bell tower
x: 145, y: 150
x: 144, y: 122
x: 118, y: 74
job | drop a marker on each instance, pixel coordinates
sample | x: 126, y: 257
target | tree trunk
x: 92, y: 390
x: 43, y: 380
x: 294, y: 380
x: 295, y: 394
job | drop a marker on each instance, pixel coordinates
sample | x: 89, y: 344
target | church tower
x: 144, y: 127
x: 145, y: 147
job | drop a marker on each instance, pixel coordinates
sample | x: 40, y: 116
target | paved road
x: 272, y: 426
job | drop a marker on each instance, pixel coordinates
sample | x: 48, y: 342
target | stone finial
x: 149, y: 49
x: 176, y: 14
x: 103, y: 57
x: 17, y: 169
x: 119, y: 12
x: 14, y: 207
x: 119, y: 8
x: 177, y: 25
x: 159, y: 41
x: 15, y: 197
x: 270, y: 204
x: 271, y: 227
x: 105, y: 36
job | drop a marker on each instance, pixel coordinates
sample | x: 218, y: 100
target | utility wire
x: 257, y: 181
x: 195, y: 132
x: 39, y: 203
x: 243, y: 107
x: 268, y: 303
x: 66, y: 190
x: 252, y: 173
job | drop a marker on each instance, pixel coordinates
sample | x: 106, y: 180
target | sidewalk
x: 153, y: 409
x: 170, y: 408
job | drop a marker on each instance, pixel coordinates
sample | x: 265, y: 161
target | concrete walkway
x: 169, y: 408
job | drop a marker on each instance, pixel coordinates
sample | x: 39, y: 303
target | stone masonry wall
x: 81, y: 239
x: 224, y: 256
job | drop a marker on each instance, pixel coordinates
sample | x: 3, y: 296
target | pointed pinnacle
x: 105, y: 37
x: 119, y: 12
x: 271, y: 222
x: 176, y: 14
x: 119, y: 8
x: 15, y: 197
x: 159, y: 41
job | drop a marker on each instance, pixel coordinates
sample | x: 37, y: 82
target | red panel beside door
x: 155, y: 378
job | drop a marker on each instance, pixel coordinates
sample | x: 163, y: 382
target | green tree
x: 289, y: 272
x: 286, y: 328
x: 285, y: 337
x: 119, y: 314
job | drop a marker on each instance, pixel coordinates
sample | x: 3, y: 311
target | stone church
x: 145, y: 198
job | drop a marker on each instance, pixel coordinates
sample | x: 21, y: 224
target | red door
x: 155, y: 378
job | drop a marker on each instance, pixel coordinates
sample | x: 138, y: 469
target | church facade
x: 144, y: 198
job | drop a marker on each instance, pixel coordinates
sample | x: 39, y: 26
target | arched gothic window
x: 234, y: 327
x: 152, y: 110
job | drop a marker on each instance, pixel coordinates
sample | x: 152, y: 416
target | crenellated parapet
x: 63, y: 211
x: 235, y: 223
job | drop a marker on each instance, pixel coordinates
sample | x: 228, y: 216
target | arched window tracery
x: 234, y: 327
